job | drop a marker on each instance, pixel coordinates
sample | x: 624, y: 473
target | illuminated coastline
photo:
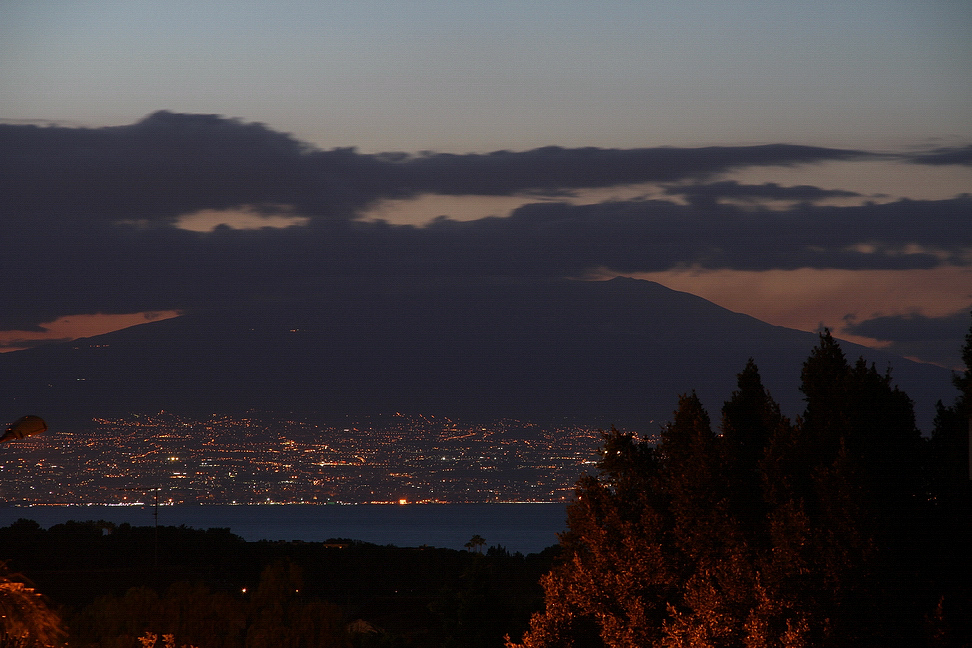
x: 268, y: 460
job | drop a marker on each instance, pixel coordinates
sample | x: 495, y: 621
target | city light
x: 266, y: 459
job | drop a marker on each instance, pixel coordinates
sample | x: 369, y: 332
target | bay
x: 523, y: 527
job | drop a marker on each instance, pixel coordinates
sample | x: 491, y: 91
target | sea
x: 517, y: 527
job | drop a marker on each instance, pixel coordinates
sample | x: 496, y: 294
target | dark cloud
x: 114, y: 268
x: 551, y: 169
x: 934, y: 339
x: 170, y: 164
x: 952, y: 155
x: 66, y: 196
x: 558, y: 238
x: 914, y: 327
x: 709, y: 193
x: 658, y: 235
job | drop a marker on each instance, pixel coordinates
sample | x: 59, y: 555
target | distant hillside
x: 622, y: 350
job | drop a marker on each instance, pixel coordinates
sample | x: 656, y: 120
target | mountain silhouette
x: 619, y: 350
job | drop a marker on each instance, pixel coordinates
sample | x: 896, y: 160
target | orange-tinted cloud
x: 808, y: 299
x: 72, y: 327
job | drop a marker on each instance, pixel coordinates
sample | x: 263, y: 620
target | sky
x: 805, y: 163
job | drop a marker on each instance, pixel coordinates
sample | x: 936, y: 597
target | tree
x: 751, y: 420
x: 476, y: 543
x: 963, y: 380
x: 275, y: 614
x: 25, y: 619
x: 281, y: 617
x: 951, y: 526
x: 767, y: 535
x: 651, y: 556
x: 952, y: 429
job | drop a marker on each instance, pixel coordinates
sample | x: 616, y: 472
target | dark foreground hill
x: 621, y: 349
x: 112, y: 584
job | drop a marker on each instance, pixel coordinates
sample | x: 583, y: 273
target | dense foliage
x: 26, y: 620
x: 843, y: 528
x: 118, y: 586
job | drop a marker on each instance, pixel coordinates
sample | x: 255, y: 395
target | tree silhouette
x: 25, y: 619
x: 951, y: 526
x: 768, y: 534
x: 275, y: 614
x: 953, y: 429
x: 476, y: 543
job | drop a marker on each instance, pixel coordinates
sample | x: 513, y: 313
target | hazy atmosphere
x: 521, y: 324
x: 804, y: 163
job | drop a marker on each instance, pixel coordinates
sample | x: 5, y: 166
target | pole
x: 156, y: 515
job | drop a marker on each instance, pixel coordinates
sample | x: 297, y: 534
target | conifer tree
x: 751, y: 419
x: 768, y: 535
x: 951, y: 433
x: 963, y: 380
x: 950, y: 530
x: 653, y: 555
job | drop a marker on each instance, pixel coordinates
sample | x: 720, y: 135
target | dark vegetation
x: 843, y: 528
x: 212, y: 589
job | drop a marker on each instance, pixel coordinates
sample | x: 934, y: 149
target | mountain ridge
x: 623, y: 349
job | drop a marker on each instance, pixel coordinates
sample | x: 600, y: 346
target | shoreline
x: 527, y: 527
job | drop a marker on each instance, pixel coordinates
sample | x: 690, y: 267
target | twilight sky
x: 800, y: 162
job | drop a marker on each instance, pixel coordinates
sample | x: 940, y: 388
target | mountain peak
x: 623, y: 348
